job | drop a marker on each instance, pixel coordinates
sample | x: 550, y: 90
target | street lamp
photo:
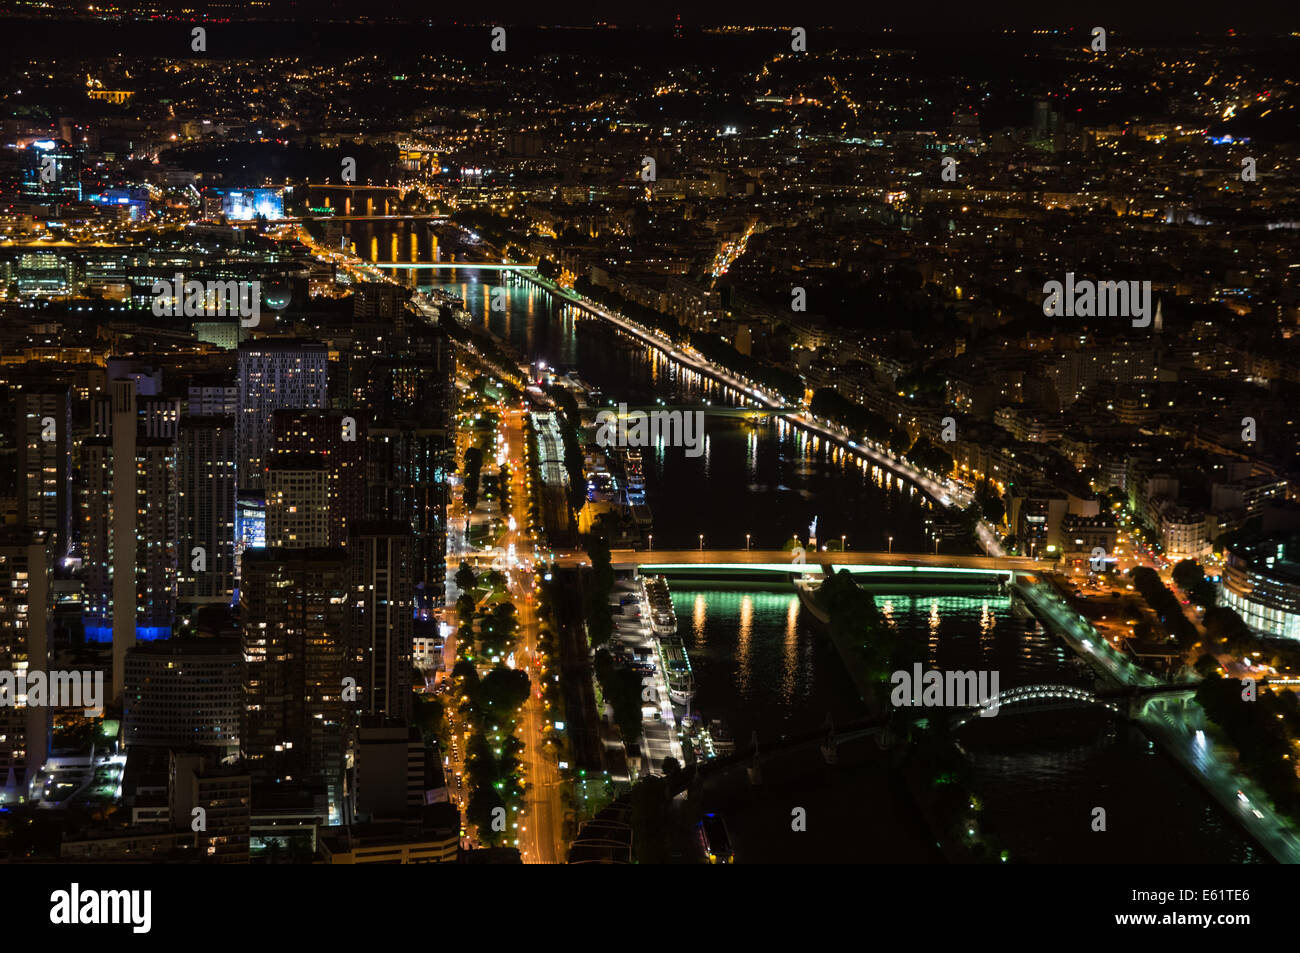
x: 746, y: 542
x: 701, y: 542
x: 652, y: 542
x: 842, y: 544
x: 891, y: 544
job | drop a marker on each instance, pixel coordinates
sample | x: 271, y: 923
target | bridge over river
x: 816, y: 563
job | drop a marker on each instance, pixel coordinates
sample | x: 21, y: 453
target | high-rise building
x: 274, y: 375
x: 293, y: 603
x: 408, y: 447
x: 297, y: 502
x: 185, y: 694
x: 250, y: 523
x: 212, y: 397
x: 380, y: 301
x: 155, y: 536
x: 51, y: 170
x: 406, y: 480
x: 44, y: 426
x: 25, y: 616
x: 160, y: 415
x: 129, y: 537
x: 337, y: 441
x: 206, y: 500
x: 381, y: 608
x: 1044, y: 120
x: 415, y: 388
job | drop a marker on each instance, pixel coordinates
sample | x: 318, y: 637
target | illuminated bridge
x: 409, y: 217
x: 817, y: 563
x: 448, y: 266
x: 1029, y: 698
x: 1126, y: 702
x: 893, y: 568
x: 710, y: 410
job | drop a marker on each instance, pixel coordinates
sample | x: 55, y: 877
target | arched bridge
x: 1126, y: 702
x: 1027, y: 698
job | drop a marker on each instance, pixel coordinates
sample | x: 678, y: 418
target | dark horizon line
x: 1166, y: 34
x: 1188, y: 18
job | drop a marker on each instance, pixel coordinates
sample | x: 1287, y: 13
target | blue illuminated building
x: 136, y: 201
x: 244, y: 205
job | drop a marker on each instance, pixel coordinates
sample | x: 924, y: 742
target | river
x: 762, y: 665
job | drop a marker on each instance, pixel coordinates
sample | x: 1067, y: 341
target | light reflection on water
x: 762, y: 663
x: 756, y: 657
x: 766, y: 479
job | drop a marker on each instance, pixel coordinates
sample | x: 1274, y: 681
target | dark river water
x: 762, y: 664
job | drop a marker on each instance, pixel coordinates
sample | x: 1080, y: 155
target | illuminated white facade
x: 1261, y: 583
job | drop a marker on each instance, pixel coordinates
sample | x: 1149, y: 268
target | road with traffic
x: 541, y: 828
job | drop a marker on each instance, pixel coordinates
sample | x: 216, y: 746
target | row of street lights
x: 748, y: 536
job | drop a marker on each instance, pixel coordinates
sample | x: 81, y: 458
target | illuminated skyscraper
x: 297, y: 503
x: 274, y: 375
x: 129, y: 536
x: 381, y: 607
x: 293, y: 608
x: 25, y: 614
x: 51, y: 170
x: 334, y: 441
x: 205, y: 462
x: 44, y: 423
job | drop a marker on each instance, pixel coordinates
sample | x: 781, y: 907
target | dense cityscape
x: 442, y: 441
